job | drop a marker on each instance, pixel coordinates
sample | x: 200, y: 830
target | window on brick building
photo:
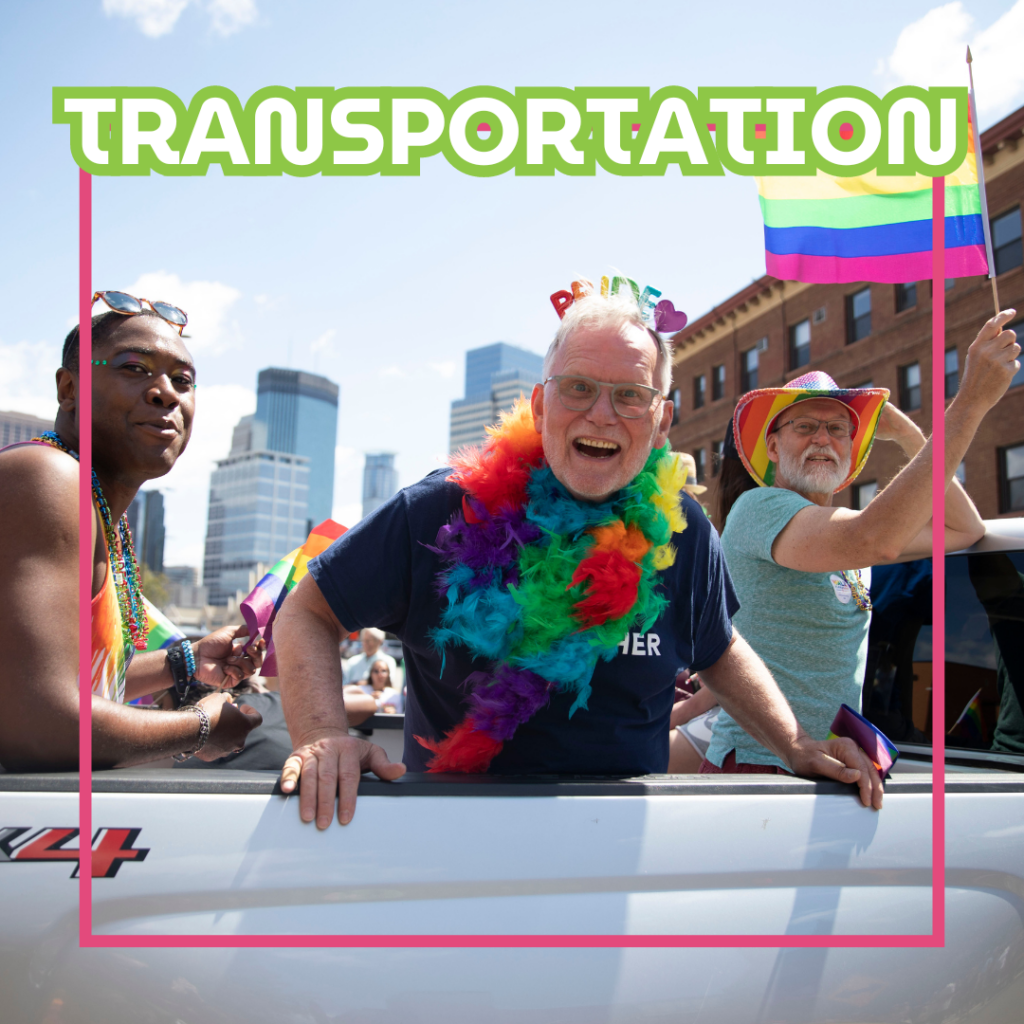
x: 675, y: 396
x: 700, y: 459
x: 864, y: 492
x: 858, y: 315
x: 748, y: 370
x: 716, y: 457
x: 1006, y: 241
x: 800, y: 344
x: 1011, y: 473
x: 952, y: 372
x: 910, y: 387
x: 717, y: 382
x: 906, y: 296
x: 700, y: 390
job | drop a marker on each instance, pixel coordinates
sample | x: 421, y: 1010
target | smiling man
x: 802, y: 567
x: 546, y: 589
x: 143, y: 400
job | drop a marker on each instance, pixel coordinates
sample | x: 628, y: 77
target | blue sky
x: 382, y: 285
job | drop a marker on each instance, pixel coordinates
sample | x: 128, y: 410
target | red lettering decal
x: 113, y: 849
x: 561, y: 301
x: 46, y: 846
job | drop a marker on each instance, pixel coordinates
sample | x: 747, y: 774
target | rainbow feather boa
x: 542, y: 585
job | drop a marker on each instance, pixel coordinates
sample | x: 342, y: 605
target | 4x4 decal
x: 111, y: 847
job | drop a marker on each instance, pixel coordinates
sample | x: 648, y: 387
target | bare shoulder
x: 38, y: 494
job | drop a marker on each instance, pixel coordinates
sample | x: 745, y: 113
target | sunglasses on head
x: 122, y: 302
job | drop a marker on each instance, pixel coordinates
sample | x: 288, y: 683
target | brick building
x: 772, y: 331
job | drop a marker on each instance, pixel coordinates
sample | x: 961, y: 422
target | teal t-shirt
x: 806, y: 626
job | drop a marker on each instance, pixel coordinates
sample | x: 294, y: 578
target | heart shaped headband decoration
x: 661, y: 316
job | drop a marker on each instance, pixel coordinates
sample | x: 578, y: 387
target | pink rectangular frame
x: 938, y: 933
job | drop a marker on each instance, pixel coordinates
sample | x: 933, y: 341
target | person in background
x: 356, y: 669
x: 801, y: 567
x: 691, y: 723
x: 387, y: 698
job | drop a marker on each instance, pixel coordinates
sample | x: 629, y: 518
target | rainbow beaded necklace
x: 541, y: 585
x: 123, y: 566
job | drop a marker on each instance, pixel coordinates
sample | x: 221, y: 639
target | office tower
x: 20, y: 426
x: 183, y: 588
x: 380, y: 480
x: 152, y: 551
x: 300, y: 414
x: 496, y: 375
x: 146, y: 520
x: 259, y: 511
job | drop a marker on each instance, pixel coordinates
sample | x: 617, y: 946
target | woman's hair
x: 375, y: 663
x: 103, y: 326
x: 733, y: 480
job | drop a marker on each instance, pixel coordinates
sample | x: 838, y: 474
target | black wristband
x: 179, y: 673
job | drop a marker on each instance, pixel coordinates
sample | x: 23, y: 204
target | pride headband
x: 667, y: 319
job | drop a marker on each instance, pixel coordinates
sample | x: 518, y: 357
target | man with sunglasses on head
x: 143, y: 400
x: 802, y: 567
x: 546, y: 594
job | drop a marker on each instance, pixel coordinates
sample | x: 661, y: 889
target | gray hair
x: 611, y: 311
x: 377, y: 634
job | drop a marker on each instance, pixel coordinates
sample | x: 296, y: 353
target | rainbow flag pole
x: 971, y: 717
x: 976, y: 140
x: 260, y: 608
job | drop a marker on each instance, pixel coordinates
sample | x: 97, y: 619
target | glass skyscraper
x: 300, y: 412
x: 496, y: 375
x: 380, y: 480
x: 259, y: 511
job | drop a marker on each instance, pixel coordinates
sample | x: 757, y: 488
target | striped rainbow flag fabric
x: 970, y: 721
x: 162, y: 632
x: 260, y: 608
x: 832, y: 230
x: 882, y: 751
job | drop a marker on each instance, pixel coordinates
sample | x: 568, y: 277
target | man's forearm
x: 124, y: 736
x: 309, y: 668
x: 147, y: 673
x: 746, y: 689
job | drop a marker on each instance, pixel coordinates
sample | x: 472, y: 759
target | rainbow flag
x: 872, y: 741
x: 971, y: 720
x: 162, y: 632
x: 260, y: 608
x: 830, y: 230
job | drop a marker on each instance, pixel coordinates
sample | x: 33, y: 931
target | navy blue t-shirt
x: 380, y: 573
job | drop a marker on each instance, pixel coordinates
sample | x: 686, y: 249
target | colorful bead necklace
x: 540, y: 585
x: 123, y: 566
x: 860, y: 592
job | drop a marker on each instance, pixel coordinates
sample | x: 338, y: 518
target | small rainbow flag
x: 872, y: 741
x: 970, y: 718
x: 260, y: 608
x: 162, y: 632
x: 830, y: 230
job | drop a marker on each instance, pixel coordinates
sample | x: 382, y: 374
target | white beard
x: 813, y: 477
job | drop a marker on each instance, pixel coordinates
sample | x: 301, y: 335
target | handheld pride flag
x: 260, y: 608
x: 161, y: 631
x: 832, y: 230
x: 970, y: 718
x: 879, y: 748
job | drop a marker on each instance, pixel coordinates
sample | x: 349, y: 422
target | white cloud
x: 932, y: 51
x: 218, y: 408
x: 230, y: 16
x: 27, y: 382
x: 156, y: 18
x: 446, y: 369
x: 323, y: 343
x: 348, y: 474
x: 207, y: 304
x: 392, y: 371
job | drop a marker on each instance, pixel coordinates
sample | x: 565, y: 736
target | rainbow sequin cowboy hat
x: 757, y: 411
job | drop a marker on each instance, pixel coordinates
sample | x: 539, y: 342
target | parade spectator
x: 357, y: 669
x: 802, y: 567
x: 450, y: 564
x: 143, y: 399
x: 380, y: 687
x: 692, y: 722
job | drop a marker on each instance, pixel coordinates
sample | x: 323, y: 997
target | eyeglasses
x: 807, y: 427
x: 122, y: 302
x: 630, y: 401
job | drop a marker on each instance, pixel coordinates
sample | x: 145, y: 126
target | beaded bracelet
x: 204, y: 732
x: 190, y: 658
